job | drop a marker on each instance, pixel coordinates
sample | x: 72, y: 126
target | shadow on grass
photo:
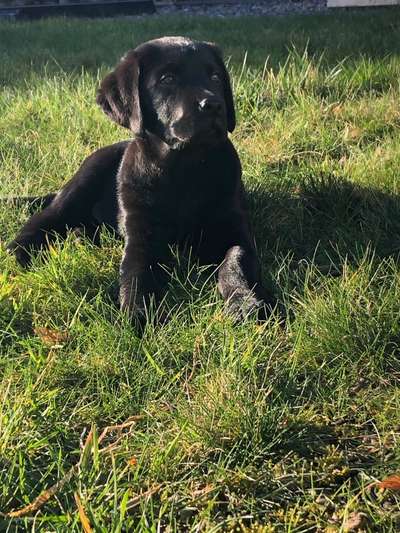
x: 324, y: 221
x: 327, y: 221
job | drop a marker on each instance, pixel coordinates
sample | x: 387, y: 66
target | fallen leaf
x: 132, y: 461
x: 51, y: 337
x: 351, y: 133
x: 337, y: 109
x: 355, y: 521
x: 391, y: 482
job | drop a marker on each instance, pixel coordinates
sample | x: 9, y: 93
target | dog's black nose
x: 210, y: 105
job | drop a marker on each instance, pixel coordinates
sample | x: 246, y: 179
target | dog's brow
x: 169, y: 67
x: 212, y: 67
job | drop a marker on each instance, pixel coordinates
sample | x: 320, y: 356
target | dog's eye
x: 167, y: 79
x: 215, y: 76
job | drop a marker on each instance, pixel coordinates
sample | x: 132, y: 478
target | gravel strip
x: 235, y: 8
x: 239, y: 9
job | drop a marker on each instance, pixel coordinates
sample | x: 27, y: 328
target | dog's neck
x: 157, y: 148
x: 163, y: 154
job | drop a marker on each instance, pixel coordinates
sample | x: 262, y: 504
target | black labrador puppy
x: 177, y: 182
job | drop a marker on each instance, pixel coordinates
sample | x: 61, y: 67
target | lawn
x: 220, y: 427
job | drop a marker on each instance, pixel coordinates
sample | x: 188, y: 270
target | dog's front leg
x: 138, y: 280
x: 228, y: 241
x: 240, y: 285
x: 146, y: 248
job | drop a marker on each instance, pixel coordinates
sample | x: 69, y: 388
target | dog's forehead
x: 173, y: 49
x: 173, y: 42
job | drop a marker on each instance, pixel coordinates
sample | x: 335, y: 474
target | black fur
x: 177, y: 182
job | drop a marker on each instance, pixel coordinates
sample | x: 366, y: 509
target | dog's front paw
x: 22, y: 250
x: 243, y: 306
x: 133, y: 307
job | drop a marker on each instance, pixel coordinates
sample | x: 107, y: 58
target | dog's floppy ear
x: 118, y: 95
x: 230, y: 105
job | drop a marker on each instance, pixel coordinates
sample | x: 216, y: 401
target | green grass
x: 247, y: 427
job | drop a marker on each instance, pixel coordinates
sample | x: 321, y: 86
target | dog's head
x: 173, y: 87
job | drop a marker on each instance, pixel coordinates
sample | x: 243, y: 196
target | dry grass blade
x: 42, y: 498
x: 198, y: 494
x: 82, y: 515
x: 134, y: 502
x: 47, y: 494
x: 112, y: 446
x: 119, y: 427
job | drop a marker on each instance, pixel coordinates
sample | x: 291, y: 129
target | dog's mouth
x: 211, y: 135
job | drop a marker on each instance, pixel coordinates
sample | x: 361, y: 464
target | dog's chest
x: 187, y: 195
x: 192, y: 193
x: 176, y: 201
